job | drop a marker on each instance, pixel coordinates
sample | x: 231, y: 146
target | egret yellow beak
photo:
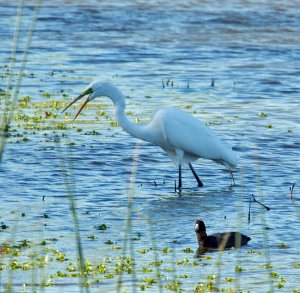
x: 86, y: 92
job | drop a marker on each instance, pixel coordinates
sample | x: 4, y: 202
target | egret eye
x: 87, y: 92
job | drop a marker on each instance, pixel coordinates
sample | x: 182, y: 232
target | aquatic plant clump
x: 57, y: 267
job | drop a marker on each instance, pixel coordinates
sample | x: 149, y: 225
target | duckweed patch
x: 58, y: 267
x: 101, y: 227
x: 51, y: 259
x: 282, y: 245
x: 262, y: 115
x: 31, y: 117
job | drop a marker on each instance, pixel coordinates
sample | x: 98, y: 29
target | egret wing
x: 185, y: 132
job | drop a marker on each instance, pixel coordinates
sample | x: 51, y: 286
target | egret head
x: 95, y: 89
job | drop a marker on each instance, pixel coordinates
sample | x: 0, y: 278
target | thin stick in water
x: 249, y: 212
x: 292, y: 189
x: 255, y: 200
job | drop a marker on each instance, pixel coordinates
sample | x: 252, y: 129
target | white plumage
x: 183, y: 137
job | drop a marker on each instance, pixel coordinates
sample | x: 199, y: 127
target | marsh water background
x: 250, y: 49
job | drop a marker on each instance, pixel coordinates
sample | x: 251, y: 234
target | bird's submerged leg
x: 232, y: 178
x: 180, y: 181
x: 200, y: 184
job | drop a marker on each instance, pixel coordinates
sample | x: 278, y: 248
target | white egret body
x: 184, y: 138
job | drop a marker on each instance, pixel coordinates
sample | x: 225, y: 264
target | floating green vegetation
x: 238, y: 269
x: 23, y: 102
x: 207, y: 287
x: 147, y: 270
x: 116, y: 247
x: 213, y: 123
x: 282, y: 245
x: 166, y: 250
x: 114, y: 123
x: 274, y: 275
x: 46, y: 94
x: 267, y: 266
x: 33, y: 116
x: 255, y: 252
x: 174, y: 286
x: 57, y: 267
x: 143, y: 250
x: 101, y: 227
x: 208, y: 257
x: 149, y: 281
x: 156, y: 263
x: 182, y: 262
x: 188, y: 250
x: 262, y: 115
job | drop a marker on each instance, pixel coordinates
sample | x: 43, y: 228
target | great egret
x: 184, y: 138
x: 219, y: 240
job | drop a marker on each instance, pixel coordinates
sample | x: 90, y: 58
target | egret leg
x: 200, y: 184
x: 232, y: 178
x: 180, y: 181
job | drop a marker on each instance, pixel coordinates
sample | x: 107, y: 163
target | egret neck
x: 138, y: 131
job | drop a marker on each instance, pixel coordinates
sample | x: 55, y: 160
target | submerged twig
x: 292, y: 189
x: 232, y: 178
x: 249, y: 212
x: 255, y: 200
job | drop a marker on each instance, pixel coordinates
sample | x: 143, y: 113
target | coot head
x: 199, y: 226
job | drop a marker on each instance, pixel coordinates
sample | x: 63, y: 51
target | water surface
x: 250, y: 49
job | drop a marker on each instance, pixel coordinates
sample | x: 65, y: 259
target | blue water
x: 250, y: 49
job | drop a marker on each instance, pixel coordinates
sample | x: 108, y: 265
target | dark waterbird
x: 219, y: 241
